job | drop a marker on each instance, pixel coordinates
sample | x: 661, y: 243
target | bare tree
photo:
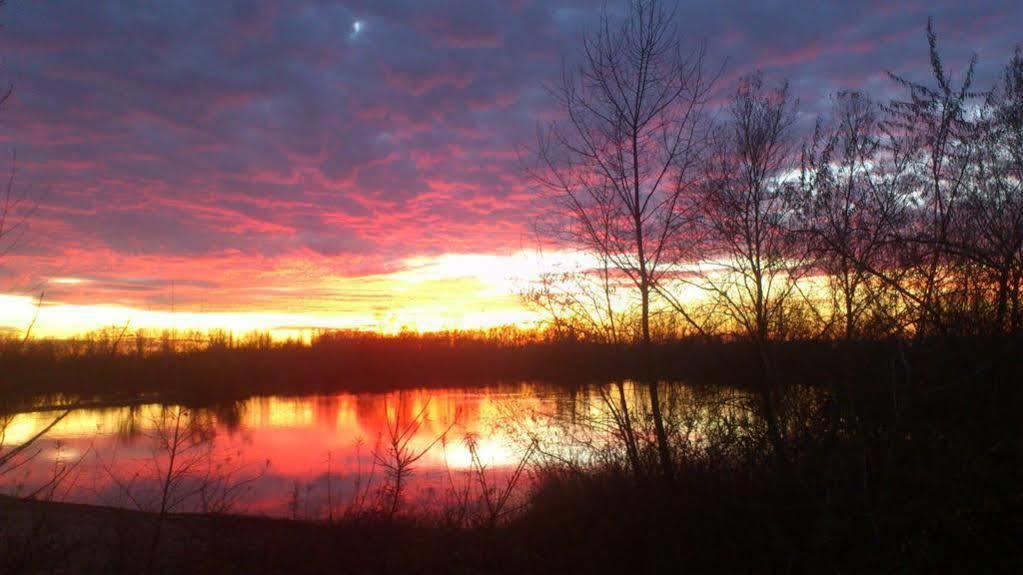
x: 620, y: 166
x: 988, y: 226
x: 755, y: 261
x: 746, y: 208
x: 583, y: 304
x: 15, y: 207
x: 397, y: 453
x: 851, y: 211
x: 15, y: 212
x: 931, y: 122
x: 14, y: 456
x: 185, y: 470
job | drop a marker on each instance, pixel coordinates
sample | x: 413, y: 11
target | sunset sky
x: 272, y: 165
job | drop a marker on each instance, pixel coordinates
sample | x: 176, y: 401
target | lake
x: 311, y: 457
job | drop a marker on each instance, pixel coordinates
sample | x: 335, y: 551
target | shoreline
x: 212, y: 375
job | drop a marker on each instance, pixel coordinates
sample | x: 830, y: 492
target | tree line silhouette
x: 856, y: 288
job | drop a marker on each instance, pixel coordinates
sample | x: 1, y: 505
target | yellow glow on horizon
x: 67, y: 281
x: 445, y: 292
x: 427, y: 294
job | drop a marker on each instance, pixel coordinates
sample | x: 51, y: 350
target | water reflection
x: 306, y: 456
x: 124, y: 449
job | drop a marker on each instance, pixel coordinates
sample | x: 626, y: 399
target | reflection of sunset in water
x: 297, y: 435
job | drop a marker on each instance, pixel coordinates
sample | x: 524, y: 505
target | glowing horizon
x: 447, y: 292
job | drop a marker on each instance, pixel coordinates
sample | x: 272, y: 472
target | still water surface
x: 305, y: 456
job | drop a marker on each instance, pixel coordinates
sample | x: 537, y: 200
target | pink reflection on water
x: 276, y: 451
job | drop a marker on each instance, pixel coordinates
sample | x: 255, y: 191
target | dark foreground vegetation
x: 894, y: 492
x: 889, y: 457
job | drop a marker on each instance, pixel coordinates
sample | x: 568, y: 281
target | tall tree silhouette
x: 755, y: 264
x: 621, y: 163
